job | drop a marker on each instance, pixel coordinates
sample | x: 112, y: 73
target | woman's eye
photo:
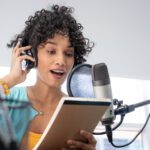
x: 69, y: 54
x: 51, y: 52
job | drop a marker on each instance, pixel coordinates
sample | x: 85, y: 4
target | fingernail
x: 69, y: 142
x: 82, y: 131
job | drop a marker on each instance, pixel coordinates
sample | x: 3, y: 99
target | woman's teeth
x: 60, y: 72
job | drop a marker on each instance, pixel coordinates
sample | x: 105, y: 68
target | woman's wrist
x: 9, y: 81
x: 4, y: 87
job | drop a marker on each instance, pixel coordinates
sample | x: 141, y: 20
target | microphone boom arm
x: 124, y: 109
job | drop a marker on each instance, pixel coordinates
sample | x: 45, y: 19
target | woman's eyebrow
x: 51, y: 42
x: 54, y: 43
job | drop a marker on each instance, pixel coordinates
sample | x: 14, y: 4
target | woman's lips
x: 57, y: 73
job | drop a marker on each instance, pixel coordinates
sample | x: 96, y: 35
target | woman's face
x: 55, y: 60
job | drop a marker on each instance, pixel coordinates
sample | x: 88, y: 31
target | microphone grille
x: 100, y: 73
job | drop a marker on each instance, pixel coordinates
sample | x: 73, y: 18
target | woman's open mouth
x: 57, y: 73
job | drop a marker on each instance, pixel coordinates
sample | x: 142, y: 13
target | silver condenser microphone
x: 102, y: 89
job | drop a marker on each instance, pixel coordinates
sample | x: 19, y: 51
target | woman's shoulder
x: 18, y: 89
x: 18, y: 93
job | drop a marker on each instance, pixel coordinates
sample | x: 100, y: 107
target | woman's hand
x: 17, y: 74
x: 90, y: 145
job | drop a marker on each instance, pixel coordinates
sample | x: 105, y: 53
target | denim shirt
x: 20, y: 116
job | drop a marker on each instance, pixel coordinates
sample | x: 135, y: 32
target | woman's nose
x: 60, y: 60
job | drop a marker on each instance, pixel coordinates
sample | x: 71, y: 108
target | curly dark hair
x: 45, y: 23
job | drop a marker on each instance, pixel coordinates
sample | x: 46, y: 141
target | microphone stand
x: 122, y: 110
x: 119, y: 104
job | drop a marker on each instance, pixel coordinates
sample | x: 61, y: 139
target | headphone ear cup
x: 30, y: 64
x: 31, y: 52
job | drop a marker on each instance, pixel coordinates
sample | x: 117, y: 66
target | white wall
x: 119, y: 28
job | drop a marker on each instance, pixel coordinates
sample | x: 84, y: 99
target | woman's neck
x: 44, y: 94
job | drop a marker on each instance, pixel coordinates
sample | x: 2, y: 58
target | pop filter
x: 79, y: 82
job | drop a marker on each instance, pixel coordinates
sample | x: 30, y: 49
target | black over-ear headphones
x: 31, y: 52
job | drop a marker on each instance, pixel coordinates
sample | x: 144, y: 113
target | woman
x: 56, y: 45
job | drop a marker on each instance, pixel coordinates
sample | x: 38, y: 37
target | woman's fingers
x: 17, y: 45
x: 89, y: 136
x: 16, y: 61
x: 25, y: 57
x: 89, y: 145
x: 77, y: 144
x: 18, y: 51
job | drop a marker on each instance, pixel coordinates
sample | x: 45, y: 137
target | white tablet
x: 71, y: 115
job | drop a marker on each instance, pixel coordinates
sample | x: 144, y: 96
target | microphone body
x: 102, y: 89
